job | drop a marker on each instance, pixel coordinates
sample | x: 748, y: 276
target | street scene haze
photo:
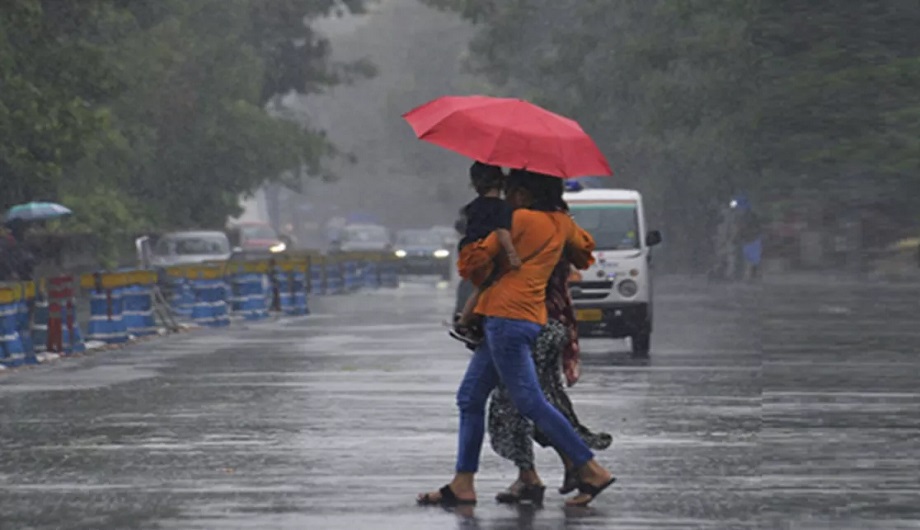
x: 434, y: 264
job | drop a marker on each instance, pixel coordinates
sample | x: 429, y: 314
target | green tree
x: 692, y: 101
x: 152, y: 114
x: 49, y: 94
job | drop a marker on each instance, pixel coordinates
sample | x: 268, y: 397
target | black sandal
x: 569, y: 482
x: 466, y: 335
x: 528, y: 494
x: 592, y: 490
x: 448, y: 499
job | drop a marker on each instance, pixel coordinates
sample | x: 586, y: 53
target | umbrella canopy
x: 36, y: 211
x: 510, y: 133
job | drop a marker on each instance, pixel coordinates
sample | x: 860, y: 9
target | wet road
x: 794, y: 406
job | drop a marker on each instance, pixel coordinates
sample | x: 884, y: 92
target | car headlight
x: 441, y: 253
x: 628, y: 288
x: 280, y: 247
x: 400, y: 253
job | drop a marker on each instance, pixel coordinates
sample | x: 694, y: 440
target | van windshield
x: 613, y: 224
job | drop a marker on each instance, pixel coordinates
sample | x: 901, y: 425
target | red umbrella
x: 509, y: 133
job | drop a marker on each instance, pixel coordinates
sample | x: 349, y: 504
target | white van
x: 614, y: 297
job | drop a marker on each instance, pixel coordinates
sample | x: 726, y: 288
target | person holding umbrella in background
x: 19, y: 260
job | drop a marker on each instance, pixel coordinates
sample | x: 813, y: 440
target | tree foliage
x: 153, y: 113
x: 694, y: 101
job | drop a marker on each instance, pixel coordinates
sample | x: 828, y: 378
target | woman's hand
x: 572, y: 371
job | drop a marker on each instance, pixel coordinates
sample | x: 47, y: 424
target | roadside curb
x: 92, y: 347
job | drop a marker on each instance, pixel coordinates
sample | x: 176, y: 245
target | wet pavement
x: 791, y: 406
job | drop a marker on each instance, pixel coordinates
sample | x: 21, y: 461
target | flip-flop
x: 447, y: 499
x: 569, y: 483
x: 528, y: 494
x: 591, y: 490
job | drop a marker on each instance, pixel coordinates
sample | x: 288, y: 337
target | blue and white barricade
x: 285, y: 294
x: 248, y: 295
x: 181, y: 296
x: 299, y: 293
x: 210, y: 306
x: 12, y: 351
x: 333, y: 277
x: 370, y: 274
x: 106, y: 323
x: 73, y: 342
x: 389, y: 276
x: 317, y: 277
x: 40, y: 325
x: 138, y: 310
x: 350, y: 275
x: 221, y: 306
x: 24, y: 328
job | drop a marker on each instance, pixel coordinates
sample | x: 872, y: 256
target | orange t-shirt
x: 539, y: 239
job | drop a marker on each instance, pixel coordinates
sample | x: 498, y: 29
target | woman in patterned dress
x: 512, y: 434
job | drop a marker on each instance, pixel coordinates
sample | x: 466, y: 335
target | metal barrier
x: 39, y: 317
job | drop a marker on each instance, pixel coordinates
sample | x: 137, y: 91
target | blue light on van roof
x: 573, y: 185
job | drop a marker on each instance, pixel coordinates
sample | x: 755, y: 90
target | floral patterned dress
x: 556, y: 347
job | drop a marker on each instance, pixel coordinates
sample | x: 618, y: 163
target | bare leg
x: 593, y: 474
x: 467, y: 316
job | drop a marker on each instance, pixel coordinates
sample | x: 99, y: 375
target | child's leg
x: 467, y: 316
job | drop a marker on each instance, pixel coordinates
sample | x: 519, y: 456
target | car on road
x: 422, y: 251
x: 614, y: 296
x: 362, y: 238
x: 256, y: 240
x: 187, y: 248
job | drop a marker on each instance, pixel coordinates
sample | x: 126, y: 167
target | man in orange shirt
x: 514, y: 309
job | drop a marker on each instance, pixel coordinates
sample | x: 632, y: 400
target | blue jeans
x: 505, y: 356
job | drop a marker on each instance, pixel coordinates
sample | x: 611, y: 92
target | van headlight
x: 628, y: 288
x: 400, y: 253
x: 280, y: 247
x: 441, y: 253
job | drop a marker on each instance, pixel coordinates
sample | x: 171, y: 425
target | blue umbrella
x: 36, y: 211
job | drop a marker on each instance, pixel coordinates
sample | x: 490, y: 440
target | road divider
x: 39, y: 319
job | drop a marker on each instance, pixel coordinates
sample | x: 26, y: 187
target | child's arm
x: 504, y: 237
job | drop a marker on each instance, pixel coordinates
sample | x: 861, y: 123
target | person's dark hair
x: 546, y: 190
x: 486, y: 177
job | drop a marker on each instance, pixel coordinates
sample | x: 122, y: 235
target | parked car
x: 362, y: 238
x: 256, y: 239
x: 184, y: 248
x: 423, y: 252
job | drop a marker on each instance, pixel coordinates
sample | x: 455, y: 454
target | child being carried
x: 487, y: 213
